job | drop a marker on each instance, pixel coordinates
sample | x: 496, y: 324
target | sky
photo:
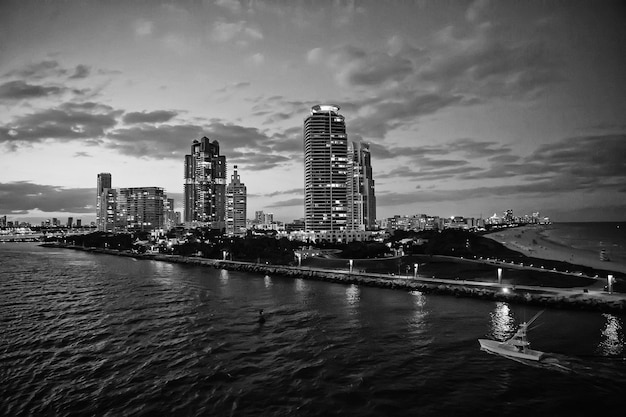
x: 470, y: 107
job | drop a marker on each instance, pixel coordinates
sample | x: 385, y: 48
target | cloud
x: 287, y: 203
x: 18, y: 90
x: 24, y: 196
x: 81, y: 71
x: 155, y: 142
x: 224, y: 31
x: 143, y: 27
x: 299, y: 191
x: 357, y: 67
x: 257, y: 59
x: 573, y: 165
x: 38, y: 70
x: 485, y: 58
x: 158, y: 116
x: 231, y: 5
x: 233, y: 87
x: 257, y: 161
x: 69, y: 121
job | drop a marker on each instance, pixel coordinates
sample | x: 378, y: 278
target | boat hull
x: 504, y: 349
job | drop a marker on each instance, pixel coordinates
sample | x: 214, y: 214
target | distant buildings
x: 236, y: 206
x: 205, y: 185
x: 131, y: 209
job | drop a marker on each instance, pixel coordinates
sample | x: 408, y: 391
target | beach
x: 539, y: 242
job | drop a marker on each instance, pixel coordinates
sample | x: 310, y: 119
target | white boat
x: 515, y: 347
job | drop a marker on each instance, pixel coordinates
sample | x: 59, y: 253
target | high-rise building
x: 108, y: 202
x: 169, y: 214
x: 141, y: 208
x: 205, y: 184
x: 360, y: 191
x: 70, y: 222
x: 236, y: 206
x: 325, y: 170
x: 104, y: 183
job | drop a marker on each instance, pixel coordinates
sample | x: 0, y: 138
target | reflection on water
x: 353, y: 295
x: 417, y: 320
x: 612, y: 342
x: 163, y: 272
x: 419, y: 298
x: 300, y: 285
x: 224, y: 276
x: 502, y: 322
x: 268, y: 281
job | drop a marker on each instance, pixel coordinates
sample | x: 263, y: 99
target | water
x: 86, y: 334
x: 591, y: 237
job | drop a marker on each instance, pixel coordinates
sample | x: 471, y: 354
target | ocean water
x: 89, y: 334
x: 591, y: 237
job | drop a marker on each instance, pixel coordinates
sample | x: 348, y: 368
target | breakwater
x: 570, y: 298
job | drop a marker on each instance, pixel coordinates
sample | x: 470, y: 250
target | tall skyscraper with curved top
x: 325, y: 169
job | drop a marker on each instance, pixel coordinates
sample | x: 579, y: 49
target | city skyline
x: 469, y: 107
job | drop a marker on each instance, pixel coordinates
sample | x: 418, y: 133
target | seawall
x: 575, y: 298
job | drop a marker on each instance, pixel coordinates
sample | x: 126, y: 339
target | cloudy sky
x: 470, y: 107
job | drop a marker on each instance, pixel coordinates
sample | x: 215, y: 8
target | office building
x: 205, y: 185
x: 141, y: 208
x: 360, y: 188
x: 104, y: 183
x: 325, y: 169
x: 236, y: 206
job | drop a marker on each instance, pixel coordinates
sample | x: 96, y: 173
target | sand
x: 535, y: 241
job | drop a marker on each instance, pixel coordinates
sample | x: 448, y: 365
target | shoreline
x: 577, y: 298
x: 536, y: 242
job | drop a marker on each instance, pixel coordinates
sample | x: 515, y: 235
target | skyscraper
x: 325, y: 171
x: 105, y: 203
x: 236, y: 206
x: 360, y: 192
x: 141, y: 208
x: 205, y: 184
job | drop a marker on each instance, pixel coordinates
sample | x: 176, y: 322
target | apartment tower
x: 325, y: 169
x: 205, y: 185
x: 141, y: 208
x: 236, y: 206
x: 360, y: 192
x: 106, y: 203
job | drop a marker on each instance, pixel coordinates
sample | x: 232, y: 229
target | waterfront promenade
x: 592, y: 297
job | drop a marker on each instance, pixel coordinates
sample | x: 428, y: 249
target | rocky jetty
x: 540, y: 296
